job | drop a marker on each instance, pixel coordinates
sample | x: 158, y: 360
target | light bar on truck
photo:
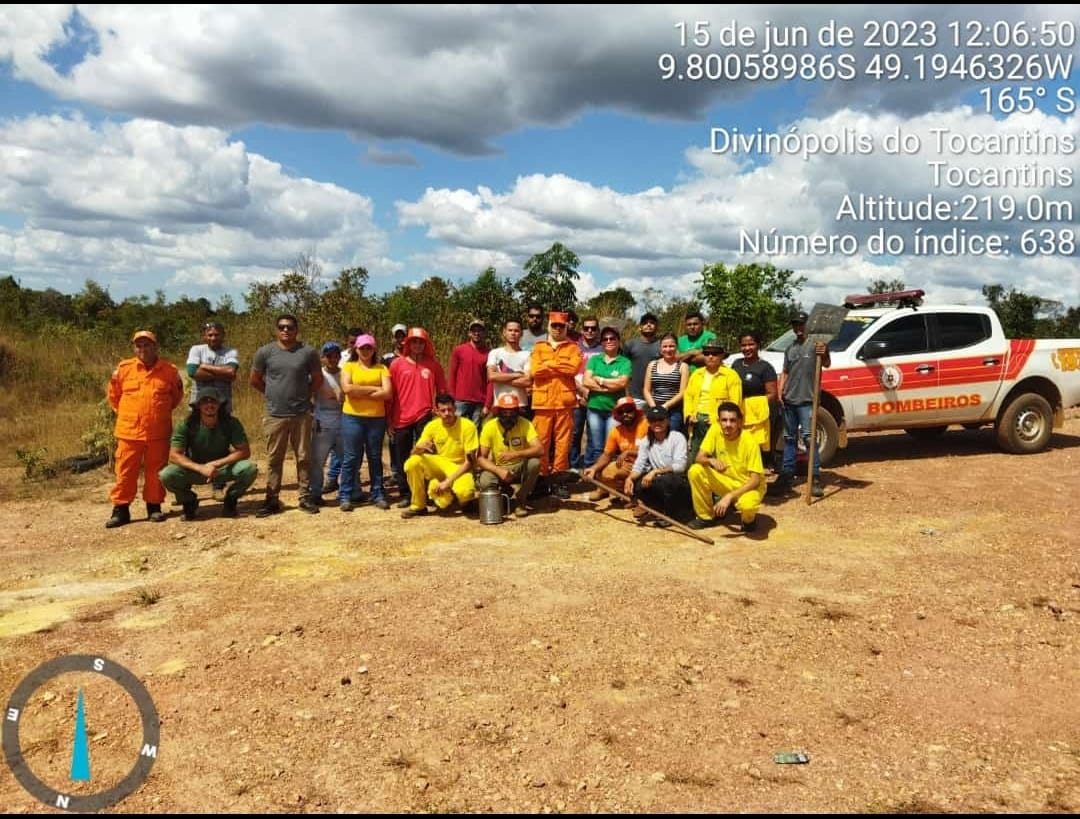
x: 902, y: 298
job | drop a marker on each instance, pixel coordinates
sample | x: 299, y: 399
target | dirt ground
x: 915, y: 633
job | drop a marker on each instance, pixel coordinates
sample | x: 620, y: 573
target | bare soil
x: 915, y: 633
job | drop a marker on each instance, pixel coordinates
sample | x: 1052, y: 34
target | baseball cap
x: 476, y: 323
x: 799, y: 318
x: 656, y: 414
x: 331, y: 347
x: 625, y: 403
x: 365, y: 340
x: 713, y: 347
x: 398, y: 328
x: 144, y: 334
x: 558, y: 317
x: 507, y: 401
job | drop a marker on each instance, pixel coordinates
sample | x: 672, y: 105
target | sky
x: 198, y: 149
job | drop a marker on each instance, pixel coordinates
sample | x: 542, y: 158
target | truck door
x: 971, y: 364
x: 897, y: 374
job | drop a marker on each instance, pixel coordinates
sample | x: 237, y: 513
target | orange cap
x: 507, y: 401
x: 626, y: 402
x: 556, y: 317
x: 144, y: 334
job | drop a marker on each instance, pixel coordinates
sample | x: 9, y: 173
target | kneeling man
x: 728, y: 465
x: 209, y: 445
x: 510, y: 451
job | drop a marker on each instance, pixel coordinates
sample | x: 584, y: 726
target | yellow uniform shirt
x: 519, y: 436
x: 453, y: 443
x: 742, y: 456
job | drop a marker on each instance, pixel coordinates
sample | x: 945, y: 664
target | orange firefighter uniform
x: 554, y: 397
x: 143, y: 399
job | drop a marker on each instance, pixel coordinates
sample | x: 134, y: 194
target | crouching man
x: 728, y: 465
x: 510, y: 451
x: 441, y: 463
x: 209, y: 445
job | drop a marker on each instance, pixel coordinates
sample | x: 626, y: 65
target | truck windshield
x: 850, y: 330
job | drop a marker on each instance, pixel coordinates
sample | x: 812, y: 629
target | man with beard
x: 510, y: 452
x: 209, y: 445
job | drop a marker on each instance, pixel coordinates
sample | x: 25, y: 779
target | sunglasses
x: 289, y: 327
x: 709, y: 353
x: 557, y: 324
x: 609, y: 338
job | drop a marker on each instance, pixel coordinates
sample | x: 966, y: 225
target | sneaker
x: 382, y: 504
x: 154, y: 513
x: 662, y: 524
x: 785, y: 480
x: 361, y: 497
x: 121, y: 515
x: 749, y: 526
x: 346, y: 506
x: 218, y: 493
x: 331, y: 487
x: 520, y: 511
x: 817, y: 489
x: 191, y: 507
x: 698, y: 524
x: 640, y: 513
x: 413, y: 513
x: 269, y: 507
x: 598, y: 495
x: 228, y: 509
x: 308, y: 505
x: 560, y: 492
x: 404, y: 503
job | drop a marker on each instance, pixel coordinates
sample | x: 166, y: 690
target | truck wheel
x: 828, y: 436
x: 926, y: 433
x: 1026, y: 424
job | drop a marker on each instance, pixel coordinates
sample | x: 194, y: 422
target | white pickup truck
x: 922, y: 368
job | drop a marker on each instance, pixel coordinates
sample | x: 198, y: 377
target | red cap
x: 507, y: 401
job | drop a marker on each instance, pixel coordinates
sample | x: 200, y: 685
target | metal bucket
x: 494, y: 505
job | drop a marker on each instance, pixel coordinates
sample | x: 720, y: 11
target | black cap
x: 799, y: 318
x: 656, y: 414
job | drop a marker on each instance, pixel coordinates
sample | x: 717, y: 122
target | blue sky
x: 199, y: 150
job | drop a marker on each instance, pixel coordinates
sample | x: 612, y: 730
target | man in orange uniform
x: 143, y: 392
x: 553, y: 364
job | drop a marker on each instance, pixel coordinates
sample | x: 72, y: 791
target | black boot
x: 153, y: 511
x: 120, y: 516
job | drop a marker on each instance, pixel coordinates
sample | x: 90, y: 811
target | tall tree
x: 616, y: 303
x: 549, y: 278
x: 748, y: 296
x: 489, y: 299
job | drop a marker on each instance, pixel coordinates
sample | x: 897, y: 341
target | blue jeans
x: 470, y: 409
x: 325, y: 439
x: 361, y: 436
x: 576, y: 461
x: 600, y: 424
x: 795, y: 416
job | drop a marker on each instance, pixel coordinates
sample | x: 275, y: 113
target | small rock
x: 180, y: 536
x: 346, y: 680
x: 658, y: 776
x: 270, y: 640
x: 920, y: 615
x: 362, y: 670
x: 478, y: 604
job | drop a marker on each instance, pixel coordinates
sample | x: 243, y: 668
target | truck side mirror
x: 874, y: 349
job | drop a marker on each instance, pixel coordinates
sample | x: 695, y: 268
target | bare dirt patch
x: 915, y: 632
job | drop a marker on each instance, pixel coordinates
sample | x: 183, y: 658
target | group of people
x: 666, y: 420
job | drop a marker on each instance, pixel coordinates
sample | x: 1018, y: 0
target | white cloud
x: 146, y: 198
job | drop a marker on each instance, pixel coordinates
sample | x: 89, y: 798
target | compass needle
x: 80, y: 749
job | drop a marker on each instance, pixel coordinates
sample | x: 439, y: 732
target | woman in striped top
x: 665, y: 381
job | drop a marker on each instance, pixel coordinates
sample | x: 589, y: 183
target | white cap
x: 396, y: 327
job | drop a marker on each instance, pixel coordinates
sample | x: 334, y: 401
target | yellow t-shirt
x: 364, y: 377
x: 454, y: 442
x: 742, y: 456
x: 519, y: 436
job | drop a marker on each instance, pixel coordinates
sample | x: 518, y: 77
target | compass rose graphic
x: 108, y: 677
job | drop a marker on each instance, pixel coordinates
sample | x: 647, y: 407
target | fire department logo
x: 890, y: 377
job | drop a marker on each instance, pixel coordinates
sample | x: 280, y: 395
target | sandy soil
x: 915, y: 633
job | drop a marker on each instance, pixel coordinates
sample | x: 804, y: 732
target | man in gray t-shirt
x: 642, y: 350
x: 288, y: 373
x: 797, y: 395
